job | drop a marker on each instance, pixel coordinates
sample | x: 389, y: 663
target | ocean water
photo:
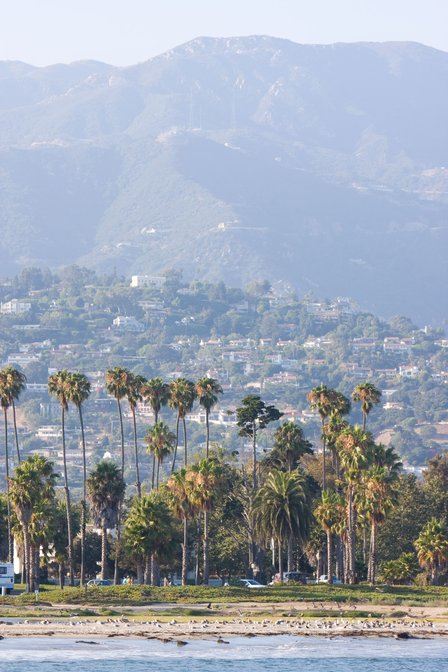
x: 273, y: 654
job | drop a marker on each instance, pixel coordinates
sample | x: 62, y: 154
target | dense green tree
x: 252, y: 416
x: 105, y: 488
x: 290, y: 445
x: 31, y: 490
x: 148, y: 531
x: 281, y: 510
x: 432, y: 548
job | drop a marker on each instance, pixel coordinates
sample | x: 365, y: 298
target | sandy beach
x: 237, y: 620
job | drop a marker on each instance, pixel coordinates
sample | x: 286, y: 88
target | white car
x: 251, y: 583
x: 324, y: 579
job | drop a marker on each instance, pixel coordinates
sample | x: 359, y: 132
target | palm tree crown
x: 369, y: 396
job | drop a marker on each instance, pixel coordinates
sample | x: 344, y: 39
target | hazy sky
x: 123, y: 32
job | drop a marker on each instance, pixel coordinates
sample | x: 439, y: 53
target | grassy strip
x: 147, y: 595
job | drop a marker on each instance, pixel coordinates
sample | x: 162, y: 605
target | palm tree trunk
x: 290, y: 556
x: 8, y: 503
x: 206, y: 549
x: 140, y: 574
x: 173, y: 466
x: 148, y: 569
x: 67, y: 503
x: 137, y: 468
x: 155, y: 570
x: 372, y: 554
x: 330, y: 557
x: 26, y: 546
x: 104, y: 571
x: 117, y: 546
x: 349, y: 561
x: 153, y: 470
x: 280, y: 560
x: 14, y: 420
x: 207, y: 433
x: 120, y: 415
x: 197, y: 572
x: 254, y: 452
x: 156, y: 419
x: 324, y: 466
x: 339, y: 559
x: 185, y: 441
x: 61, y: 569
x: 158, y: 471
x: 84, y: 498
x: 185, y: 553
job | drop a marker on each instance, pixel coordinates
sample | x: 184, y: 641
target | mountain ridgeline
x: 322, y: 166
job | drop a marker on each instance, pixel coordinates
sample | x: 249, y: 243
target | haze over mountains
x: 322, y: 166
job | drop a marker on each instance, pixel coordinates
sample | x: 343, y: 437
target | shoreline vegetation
x: 176, y: 614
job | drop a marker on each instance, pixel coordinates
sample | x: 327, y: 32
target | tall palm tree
x: 327, y: 402
x: 327, y: 514
x: 432, y: 548
x: 179, y: 487
x: 353, y: 445
x: 155, y: 393
x: 205, y: 478
x: 133, y: 395
x: 59, y: 384
x: 376, y: 500
x: 160, y: 441
x: 117, y: 384
x: 207, y: 392
x: 105, y: 487
x: 182, y: 396
x: 78, y: 393
x: 31, y: 486
x: 369, y: 396
x: 16, y: 382
x: 377, y: 494
x: 5, y: 400
x: 281, y: 510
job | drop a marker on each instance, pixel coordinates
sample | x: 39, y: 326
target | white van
x: 7, y: 576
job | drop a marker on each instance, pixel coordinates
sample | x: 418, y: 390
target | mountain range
x: 320, y: 166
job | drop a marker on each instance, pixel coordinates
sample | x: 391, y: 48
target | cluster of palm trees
x: 363, y: 475
x: 357, y: 482
x: 74, y: 388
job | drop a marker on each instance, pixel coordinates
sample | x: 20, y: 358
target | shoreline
x: 206, y: 629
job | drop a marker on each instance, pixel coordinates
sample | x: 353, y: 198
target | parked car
x: 324, y: 579
x: 100, y: 582
x: 251, y: 583
x: 296, y: 577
